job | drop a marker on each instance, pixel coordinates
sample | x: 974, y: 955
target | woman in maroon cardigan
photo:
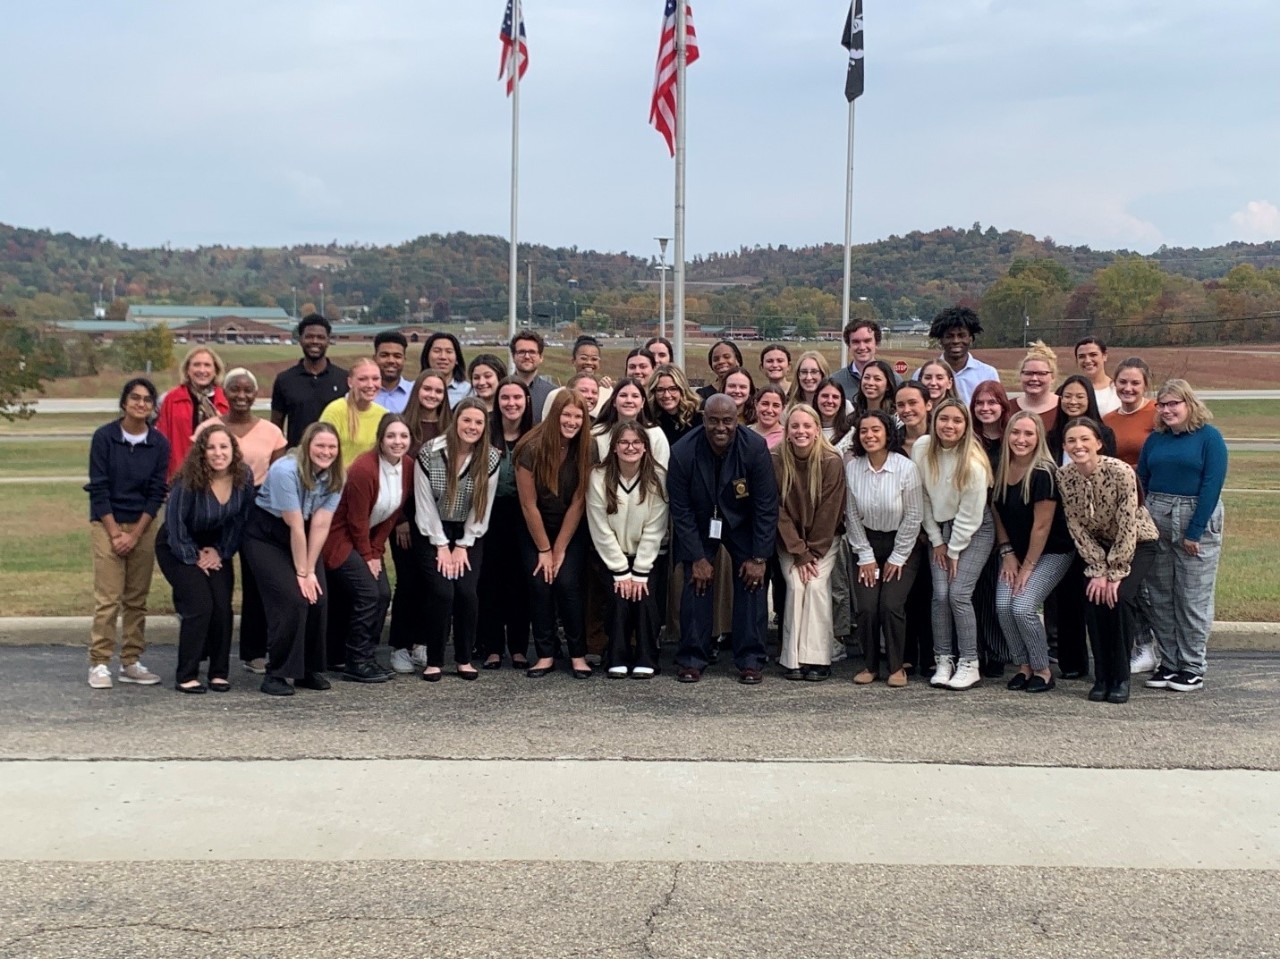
x: 196, y: 399
x: 378, y: 484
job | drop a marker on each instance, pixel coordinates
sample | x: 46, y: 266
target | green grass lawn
x: 46, y: 568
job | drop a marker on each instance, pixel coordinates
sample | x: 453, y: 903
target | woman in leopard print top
x: 1116, y: 539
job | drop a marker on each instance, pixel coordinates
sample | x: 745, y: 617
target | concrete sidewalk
x: 163, y: 629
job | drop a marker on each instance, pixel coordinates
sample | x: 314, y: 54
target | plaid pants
x: 1181, y: 585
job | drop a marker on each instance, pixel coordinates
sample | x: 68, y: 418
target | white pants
x: 806, y: 628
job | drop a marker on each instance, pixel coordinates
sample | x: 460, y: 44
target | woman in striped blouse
x: 884, y: 506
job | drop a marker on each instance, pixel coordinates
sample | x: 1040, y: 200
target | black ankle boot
x: 1099, y: 692
x: 1119, y: 692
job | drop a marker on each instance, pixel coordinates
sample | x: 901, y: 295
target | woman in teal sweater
x: 1182, y: 468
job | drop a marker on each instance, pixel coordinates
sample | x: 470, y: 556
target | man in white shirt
x: 956, y: 329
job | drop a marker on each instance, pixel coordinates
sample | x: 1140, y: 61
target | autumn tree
x: 1032, y: 290
x: 19, y: 374
x: 149, y: 349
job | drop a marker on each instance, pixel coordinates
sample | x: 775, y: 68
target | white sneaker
x: 944, y: 666
x: 401, y: 662
x: 256, y: 666
x: 618, y: 672
x: 100, y: 677
x: 839, y: 652
x: 642, y: 672
x: 966, y: 676
x: 418, y: 656
x: 139, y: 674
x: 1143, y: 659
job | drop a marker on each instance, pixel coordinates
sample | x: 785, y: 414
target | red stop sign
x: 900, y: 367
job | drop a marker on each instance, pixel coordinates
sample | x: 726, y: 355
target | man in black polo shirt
x: 302, y: 392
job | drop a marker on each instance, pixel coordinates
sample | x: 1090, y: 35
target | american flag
x: 506, y: 36
x: 662, y: 112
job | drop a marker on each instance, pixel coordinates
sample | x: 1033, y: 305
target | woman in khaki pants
x: 128, y: 461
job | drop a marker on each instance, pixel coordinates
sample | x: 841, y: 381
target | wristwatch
x: 759, y: 559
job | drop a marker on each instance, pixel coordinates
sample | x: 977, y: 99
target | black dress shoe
x: 364, y: 673
x: 219, y: 686
x: 432, y: 677
x: 313, y: 681
x: 537, y: 672
x: 583, y: 673
x: 1019, y: 681
x: 1099, y: 692
x: 275, y: 686
x: 520, y: 663
x: 816, y: 674
x: 1119, y: 692
x: 793, y: 674
x: 468, y: 674
x: 495, y: 664
x: 1038, y: 684
x: 193, y: 690
x: 1074, y: 674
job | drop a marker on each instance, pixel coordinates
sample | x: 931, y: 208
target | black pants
x: 993, y: 648
x: 919, y: 610
x: 884, y: 605
x: 504, y: 609
x: 625, y: 619
x: 296, y: 629
x: 1066, y: 612
x: 1111, y: 628
x: 253, y: 618
x: 366, y: 601
x: 750, y: 607
x: 406, y: 603
x: 565, y: 597
x: 450, y: 602
x: 203, y: 603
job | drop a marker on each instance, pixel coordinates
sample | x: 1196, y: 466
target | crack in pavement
x: 659, y: 908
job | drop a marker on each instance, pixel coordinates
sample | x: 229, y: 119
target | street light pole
x: 662, y: 294
x: 295, y: 302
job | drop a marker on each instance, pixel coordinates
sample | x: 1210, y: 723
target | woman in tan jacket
x: 811, y: 500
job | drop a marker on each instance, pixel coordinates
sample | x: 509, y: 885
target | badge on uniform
x: 740, y: 488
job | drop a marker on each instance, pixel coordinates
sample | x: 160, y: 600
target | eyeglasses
x: 526, y: 352
x: 1170, y: 404
x: 667, y: 391
x: 140, y: 398
x: 630, y: 444
x: 1036, y: 373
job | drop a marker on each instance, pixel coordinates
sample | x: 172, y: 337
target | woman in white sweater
x: 956, y: 476
x: 627, y: 515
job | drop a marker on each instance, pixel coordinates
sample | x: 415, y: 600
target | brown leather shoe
x: 865, y: 678
x: 898, y: 680
x: 688, y: 674
x: 750, y: 677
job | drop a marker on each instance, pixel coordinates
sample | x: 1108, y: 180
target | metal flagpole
x: 848, y: 244
x: 677, y: 318
x: 517, y: 18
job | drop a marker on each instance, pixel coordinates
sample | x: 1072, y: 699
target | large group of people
x: 932, y: 525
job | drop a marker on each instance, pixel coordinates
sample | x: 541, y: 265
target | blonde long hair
x: 335, y: 475
x: 790, y: 463
x: 795, y: 398
x: 971, y: 454
x: 1040, y: 458
x: 1197, y: 413
x: 353, y: 414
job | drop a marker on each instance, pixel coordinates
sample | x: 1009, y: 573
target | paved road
x: 512, y: 817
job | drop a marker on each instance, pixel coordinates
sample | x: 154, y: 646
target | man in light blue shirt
x: 956, y: 329
x: 388, y: 352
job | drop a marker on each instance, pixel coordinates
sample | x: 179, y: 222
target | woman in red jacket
x: 197, y: 398
x: 378, y: 483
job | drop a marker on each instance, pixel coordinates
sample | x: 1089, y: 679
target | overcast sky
x: 1116, y: 123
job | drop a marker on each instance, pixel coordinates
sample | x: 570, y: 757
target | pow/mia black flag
x: 852, y: 41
